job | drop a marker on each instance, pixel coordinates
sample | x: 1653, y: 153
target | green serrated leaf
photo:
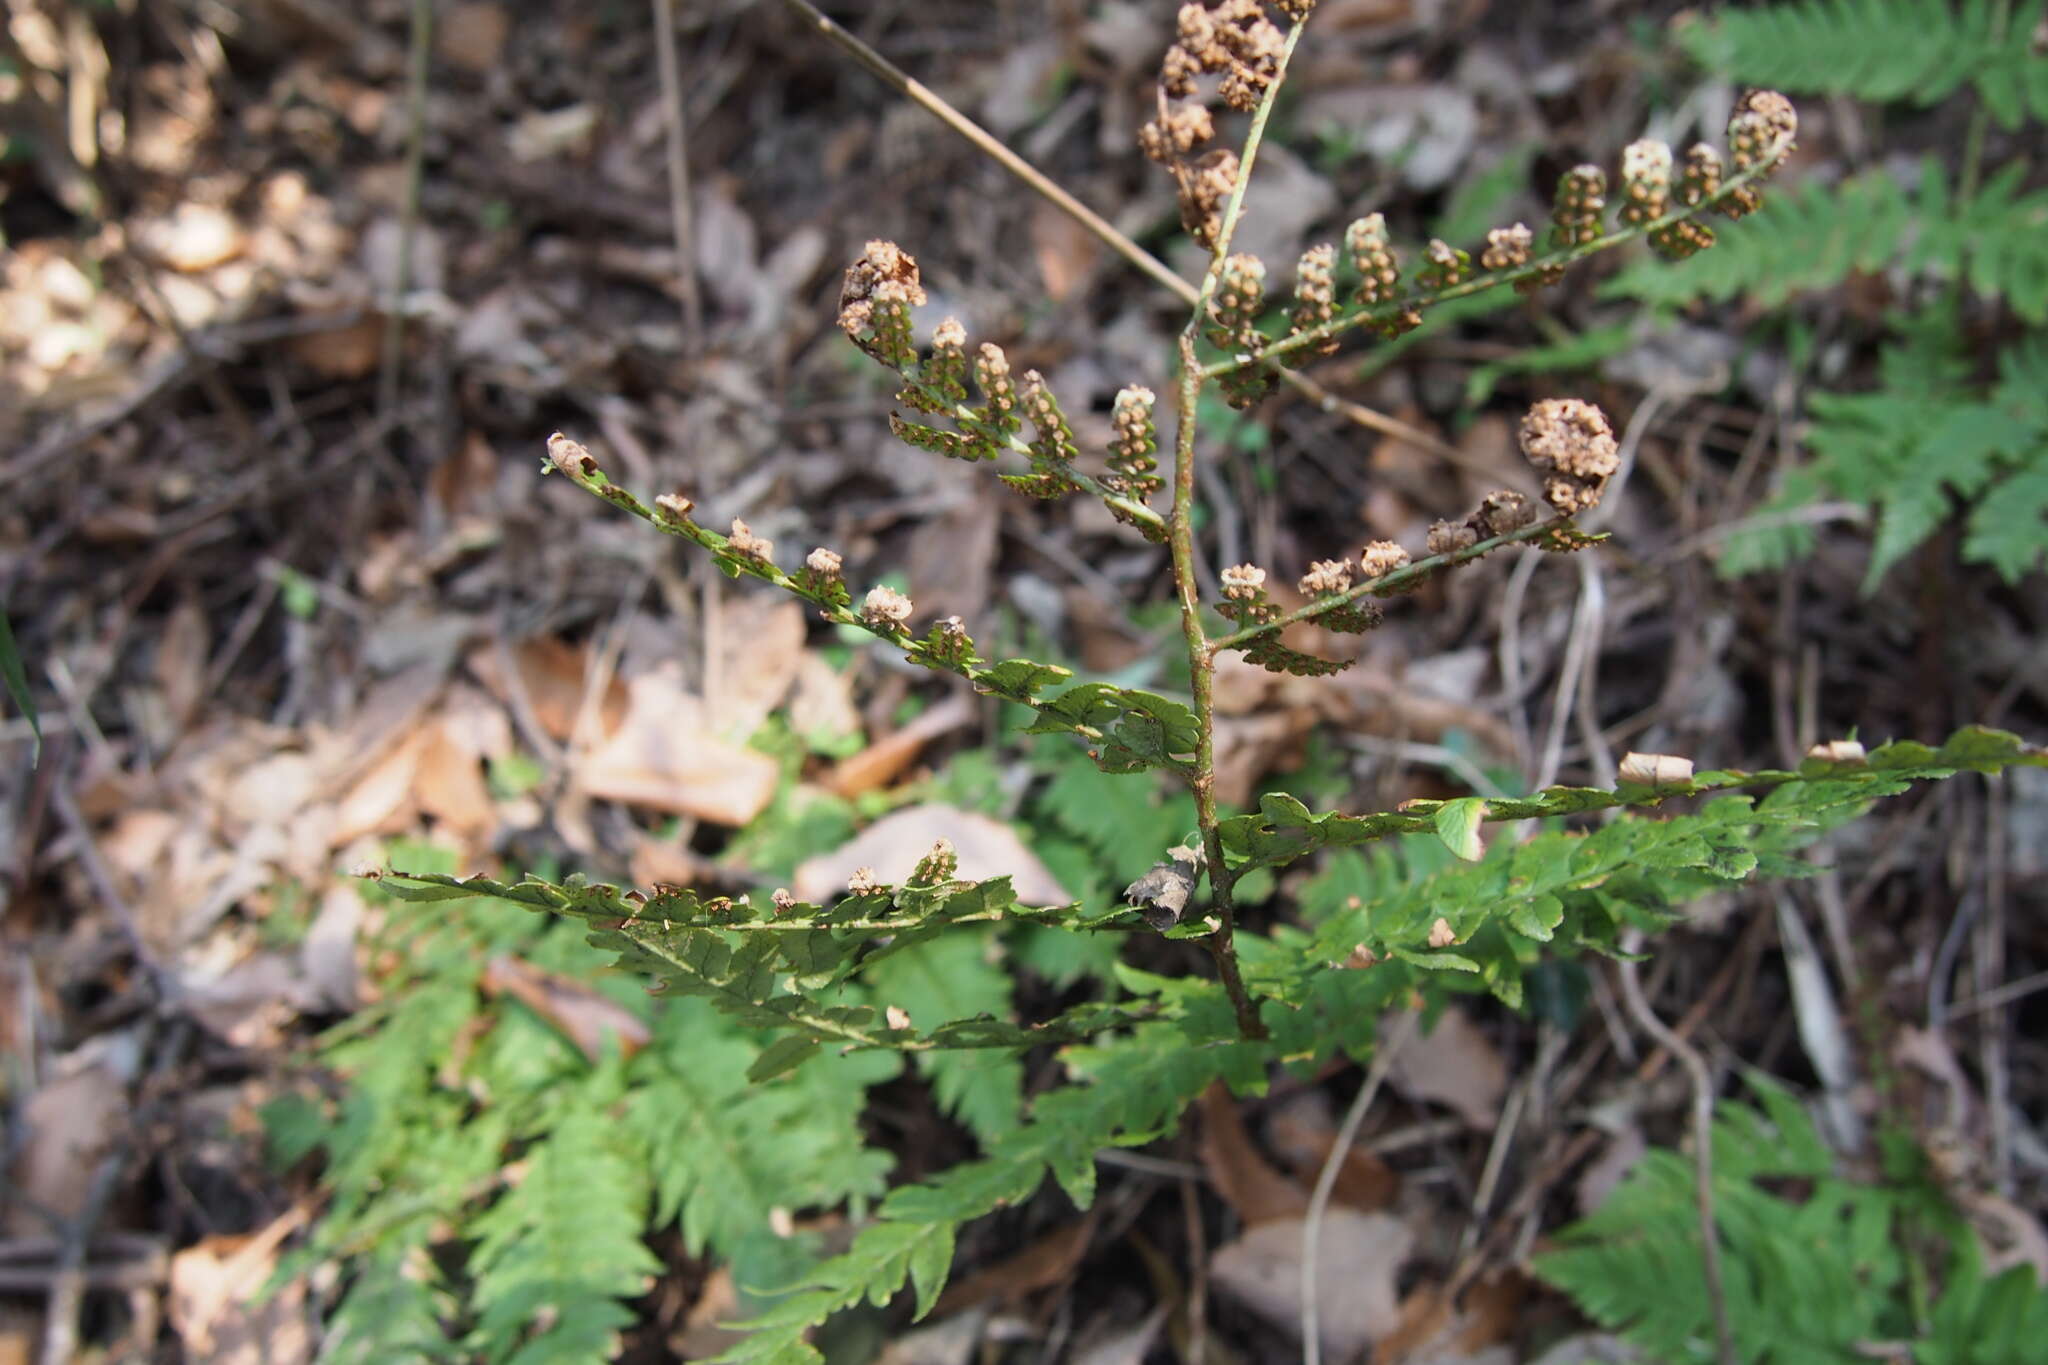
x: 1537, y: 917
x: 1457, y: 824
x: 780, y: 1057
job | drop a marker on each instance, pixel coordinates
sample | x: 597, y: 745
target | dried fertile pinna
x: 1570, y: 441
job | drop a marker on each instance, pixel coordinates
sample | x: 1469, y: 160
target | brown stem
x: 1180, y: 539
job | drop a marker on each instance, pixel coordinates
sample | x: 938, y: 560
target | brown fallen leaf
x: 1454, y: 1065
x: 893, y: 844
x: 1303, y: 1135
x: 1247, y: 1181
x: 449, y: 785
x: 1358, y: 1261
x: 1066, y: 252
x: 381, y: 801
x: 881, y: 762
x: 761, y: 651
x: 582, y: 1015
x: 348, y: 350
x: 219, y: 1307
x: 553, y: 673
x: 821, y: 702
x: 181, y: 663
x: 471, y: 36
x: 1435, y: 1331
x: 1045, y: 1262
x: 664, y: 758
x: 69, y: 1125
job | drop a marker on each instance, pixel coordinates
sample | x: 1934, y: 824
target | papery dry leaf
x: 349, y: 350
x: 553, y: 674
x: 665, y: 862
x: 389, y: 713
x: 821, y: 703
x: 252, y: 1002
x: 471, y: 36
x: 381, y: 801
x: 885, y: 759
x: 449, y: 785
x: 584, y: 1016
x: 192, y: 237
x: 893, y: 845
x: 477, y: 722
x: 465, y: 480
x: 68, y: 1125
x: 953, y: 555
x: 1249, y: 748
x: 181, y: 649
x: 1600, y: 1175
x: 327, y: 957
x: 703, y: 1335
x: 728, y: 249
x: 2008, y: 1234
x: 665, y: 758
x: 137, y: 840
x: 1242, y: 1176
x: 220, y: 1306
x: 268, y: 791
x: 1454, y: 1065
x: 760, y: 653
x: 1475, y: 1331
x: 1359, y: 1258
x: 1065, y: 251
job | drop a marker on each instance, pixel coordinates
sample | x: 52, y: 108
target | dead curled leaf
x: 1162, y: 894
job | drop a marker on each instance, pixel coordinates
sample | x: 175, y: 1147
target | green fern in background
x: 1934, y: 438
x: 448, y: 1085
x: 1812, y: 1278
x: 1911, y: 51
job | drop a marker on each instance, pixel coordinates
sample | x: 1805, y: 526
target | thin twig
x: 1702, y: 1137
x: 1319, y: 1200
x: 678, y: 166
x: 890, y: 75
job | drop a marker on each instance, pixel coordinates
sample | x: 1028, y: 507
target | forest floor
x: 289, y: 583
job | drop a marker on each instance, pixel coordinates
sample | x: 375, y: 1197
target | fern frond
x: 725, y: 1152
x: 558, y: 1251
x: 1135, y: 1088
x: 954, y: 978
x: 1925, y: 442
x: 1580, y: 889
x: 1918, y: 51
x: 1911, y: 51
x: 1804, y: 1280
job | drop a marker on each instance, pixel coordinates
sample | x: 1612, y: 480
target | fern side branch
x: 1536, y: 267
